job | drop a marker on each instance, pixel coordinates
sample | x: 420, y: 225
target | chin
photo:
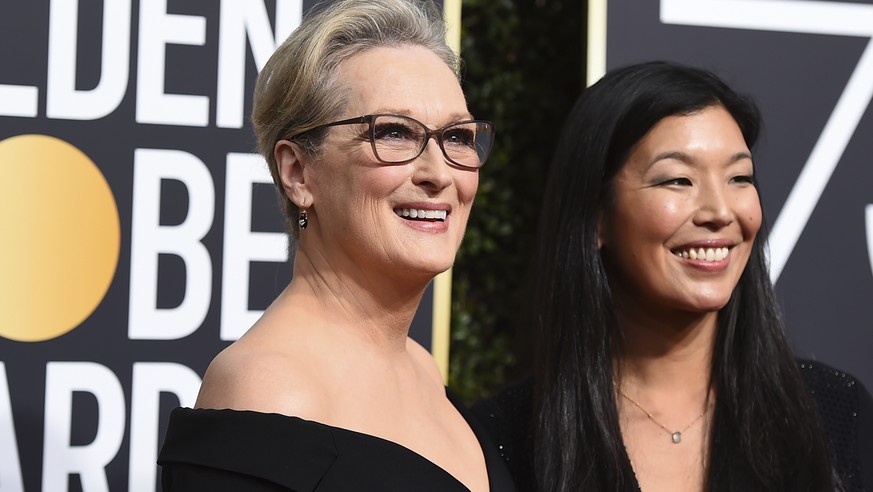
x: 437, y: 256
x: 437, y: 268
x: 427, y: 266
x: 710, y: 305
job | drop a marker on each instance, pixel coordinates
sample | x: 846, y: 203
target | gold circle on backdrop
x: 60, y: 237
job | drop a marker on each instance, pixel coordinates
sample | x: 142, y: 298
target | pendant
x: 677, y: 437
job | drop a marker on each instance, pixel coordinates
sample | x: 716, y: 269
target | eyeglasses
x: 399, y: 139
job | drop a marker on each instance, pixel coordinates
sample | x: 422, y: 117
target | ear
x: 291, y: 161
x: 600, y: 229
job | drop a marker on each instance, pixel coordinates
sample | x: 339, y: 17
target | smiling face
x: 408, y: 217
x: 679, y: 230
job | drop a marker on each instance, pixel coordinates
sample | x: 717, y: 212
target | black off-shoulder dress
x: 244, y: 451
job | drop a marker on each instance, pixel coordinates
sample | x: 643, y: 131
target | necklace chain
x: 676, y: 436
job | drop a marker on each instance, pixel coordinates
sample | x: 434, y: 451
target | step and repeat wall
x: 809, y: 65
x: 139, y: 231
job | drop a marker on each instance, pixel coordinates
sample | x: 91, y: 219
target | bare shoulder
x: 252, y: 377
x: 425, y: 361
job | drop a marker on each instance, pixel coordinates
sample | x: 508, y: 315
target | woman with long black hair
x: 661, y: 361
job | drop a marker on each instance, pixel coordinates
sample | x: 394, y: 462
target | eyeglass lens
x: 400, y: 139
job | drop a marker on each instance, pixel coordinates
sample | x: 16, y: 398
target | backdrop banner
x: 139, y: 230
x: 809, y: 65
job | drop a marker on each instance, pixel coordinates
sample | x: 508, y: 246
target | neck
x: 374, y: 309
x: 667, y: 355
x: 663, y: 372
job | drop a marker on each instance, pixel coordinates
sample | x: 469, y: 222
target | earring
x: 302, y: 216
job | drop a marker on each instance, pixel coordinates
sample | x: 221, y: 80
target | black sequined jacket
x: 844, y: 405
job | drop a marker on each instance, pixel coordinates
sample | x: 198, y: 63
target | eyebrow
x: 687, y: 159
x: 454, y: 117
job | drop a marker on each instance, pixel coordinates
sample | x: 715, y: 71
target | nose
x: 714, y: 208
x: 431, y: 171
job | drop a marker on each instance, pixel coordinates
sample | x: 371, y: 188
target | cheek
x: 379, y: 182
x: 467, y: 183
x: 661, y: 216
x: 750, y: 215
x: 325, y: 180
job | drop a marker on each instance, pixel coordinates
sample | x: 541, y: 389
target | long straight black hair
x: 766, y: 434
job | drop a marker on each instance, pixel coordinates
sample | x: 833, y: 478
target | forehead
x: 710, y: 129
x: 408, y: 79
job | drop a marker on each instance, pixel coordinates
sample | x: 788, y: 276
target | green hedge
x: 524, y: 67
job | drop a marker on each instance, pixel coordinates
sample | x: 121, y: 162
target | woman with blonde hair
x: 375, y: 156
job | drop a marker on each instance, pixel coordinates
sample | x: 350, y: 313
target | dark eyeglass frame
x: 428, y: 134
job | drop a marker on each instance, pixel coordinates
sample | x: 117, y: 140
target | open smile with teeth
x: 419, y: 214
x: 702, y: 254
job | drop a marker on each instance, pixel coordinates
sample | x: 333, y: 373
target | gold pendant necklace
x: 676, y: 436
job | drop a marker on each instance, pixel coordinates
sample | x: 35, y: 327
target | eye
x: 459, y: 136
x: 396, y: 131
x: 674, y: 182
x: 745, y: 179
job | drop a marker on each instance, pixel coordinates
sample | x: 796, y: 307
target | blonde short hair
x: 298, y: 89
